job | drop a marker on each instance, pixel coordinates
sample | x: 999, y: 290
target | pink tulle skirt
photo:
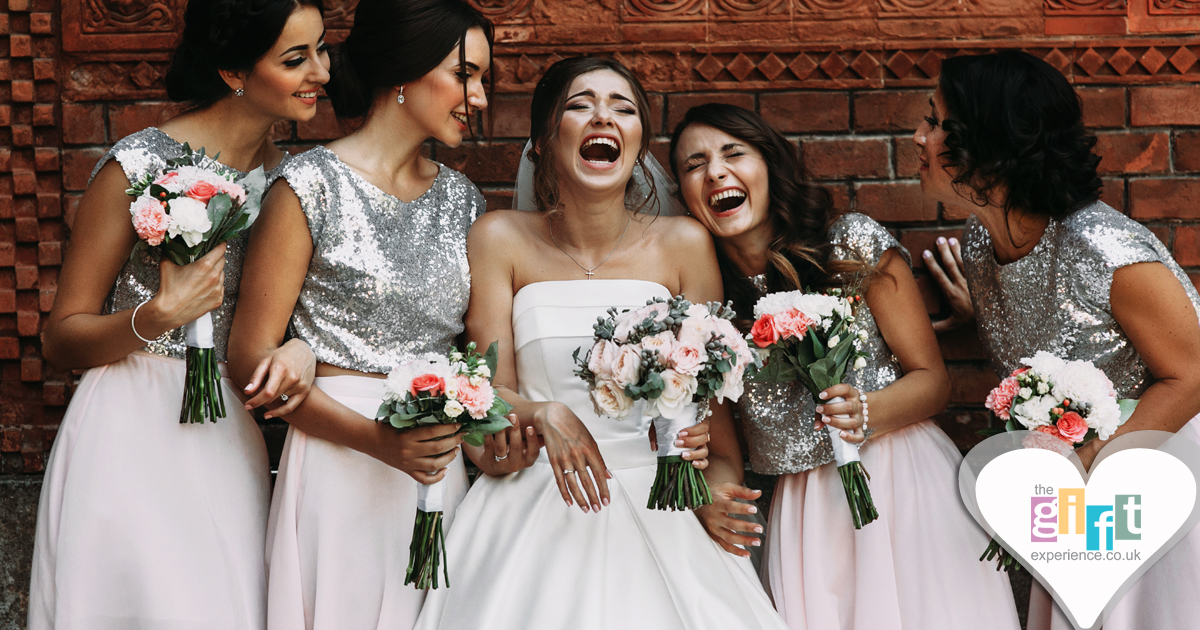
x: 1164, y: 598
x: 340, y: 526
x: 915, y: 568
x: 147, y: 523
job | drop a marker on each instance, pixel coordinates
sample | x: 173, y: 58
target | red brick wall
x: 846, y: 79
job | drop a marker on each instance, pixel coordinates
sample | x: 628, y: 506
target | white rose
x: 678, y: 390
x: 450, y: 389
x: 456, y: 356
x: 833, y: 341
x: 1025, y: 392
x: 732, y: 385
x: 454, y: 409
x: 860, y: 363
x: 610, y: 400
x: 1042, y: 387
x: 627, y: 367
x: 484, y: 371
x: 862, y: 335
x: 189, y: 218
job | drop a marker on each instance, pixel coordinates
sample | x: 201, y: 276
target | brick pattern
x: 846, y: 92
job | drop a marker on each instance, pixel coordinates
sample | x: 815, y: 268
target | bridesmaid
x: 361, y: 252
x: 145, y: 522
x: 776, y: 232
x: 1048, y: 266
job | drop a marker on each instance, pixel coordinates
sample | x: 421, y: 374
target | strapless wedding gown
x: 521, y: 559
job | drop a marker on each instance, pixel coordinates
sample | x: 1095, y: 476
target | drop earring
x: 239, y: 92
x: 400, y: 98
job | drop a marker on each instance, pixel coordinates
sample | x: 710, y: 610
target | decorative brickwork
x: 846, y: 80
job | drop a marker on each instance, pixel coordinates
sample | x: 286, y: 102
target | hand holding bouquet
x: 184, y: 211
x: 675, y: 355
x: 438, y: 389
x: 808, y: 339
x: 1064, y: 403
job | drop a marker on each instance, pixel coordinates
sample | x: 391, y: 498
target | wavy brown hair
x: 800, y: 212
x: 546, y: 112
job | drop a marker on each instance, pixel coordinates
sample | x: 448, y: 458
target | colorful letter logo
x: 1100, y: 527
x: 1044, y: 522
x: 1129, y: 516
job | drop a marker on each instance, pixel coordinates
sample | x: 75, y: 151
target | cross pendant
x: 589, y: 273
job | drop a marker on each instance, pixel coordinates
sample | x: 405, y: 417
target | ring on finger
x: 283, y: 397
x: 498, y: 458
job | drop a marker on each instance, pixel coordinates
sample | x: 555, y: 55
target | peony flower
x: 688, y: 358
x: 732, y: 384
x: 600, y: 360
x: 477, y: 399
x: 1000, y: 399
x: 764, y: 332
x: 677, y: 393
x: 453, y: 409
x: 610, y: 400
x: 189, y: 218
x: 627, y: 367
x: 150, y: 220
x: 431, y: 384
x: 663, y: 344
x: 1072, y: 426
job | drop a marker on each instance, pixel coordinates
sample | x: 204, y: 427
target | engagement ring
x: 498, y: 458
x: 283, y: 397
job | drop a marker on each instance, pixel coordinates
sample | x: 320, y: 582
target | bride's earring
x: 400, y: 98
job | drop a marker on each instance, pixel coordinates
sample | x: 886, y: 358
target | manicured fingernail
x: 928, y: 254
x: 608, y: 473
x: 843, y: 434
x: 757, y: 543
x: 267, y: 416
x: 569, y: 502
x: 954, y: 241
x: 678, y: 442
x: 941, y: 240
x: 757, y: 529
x: 248, y: 407
x: 605, y: 501
x: 585, y: 508
x: 596, y: 506
x: 820, y: 408
x: 685, y: 455
x: 695, y: 464
x: 753, y: 510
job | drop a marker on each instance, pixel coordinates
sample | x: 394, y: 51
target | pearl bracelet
x: 862, y: 398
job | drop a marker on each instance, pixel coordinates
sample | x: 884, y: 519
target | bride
x: 519, y: 555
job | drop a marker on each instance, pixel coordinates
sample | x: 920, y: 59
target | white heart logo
x: 1086, y: 538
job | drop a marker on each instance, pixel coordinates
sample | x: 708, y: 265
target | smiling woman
x: 144, y: 522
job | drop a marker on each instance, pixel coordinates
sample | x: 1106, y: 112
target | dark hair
x: 800, y: 212
x: 224, y: 35
x: 546, y: 112
x: 1014, y: 123
x: 394, y: 42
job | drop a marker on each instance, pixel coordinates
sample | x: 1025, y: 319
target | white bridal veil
x: 664, y: 201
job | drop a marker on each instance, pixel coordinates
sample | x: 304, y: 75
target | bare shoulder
x: 681, y: 234
x: 502, y: 229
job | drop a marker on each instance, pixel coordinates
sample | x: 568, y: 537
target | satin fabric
x: 340, y: 526
x: 521, y: 559
x: 914, y: 568
x: 145, y: 522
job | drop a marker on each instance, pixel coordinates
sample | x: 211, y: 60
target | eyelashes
x: 933, y: 122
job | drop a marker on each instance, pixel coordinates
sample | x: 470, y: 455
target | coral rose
x: 202, y: 191
x: 1073, y: 427
x: 431, y: 384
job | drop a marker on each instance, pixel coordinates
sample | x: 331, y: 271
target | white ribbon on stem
x: 200, y: 332
x: 667, y: 430
x: 843, y: 452
x: 431, y: 498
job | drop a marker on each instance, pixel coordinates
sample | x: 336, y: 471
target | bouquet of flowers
x: 184, y: 211
x: 1064, y: 403
x: 435, y: 389
x: 675, y: 355
x: 807, y: 338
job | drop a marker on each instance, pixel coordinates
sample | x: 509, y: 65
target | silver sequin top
x: 388, y: 280
x: 778, y: 417
x: 1056, y: 297
x: 141, y: 153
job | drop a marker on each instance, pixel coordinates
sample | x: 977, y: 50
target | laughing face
x: 600, y: 135
x: 285, y: 81
x: 723, y: 180
x: 435, y: 101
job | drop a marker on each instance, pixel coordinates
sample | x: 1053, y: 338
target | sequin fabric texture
x: 388, y: 280
x: 1056, y: 297
x: 778, y: 417
x: 141, y: 153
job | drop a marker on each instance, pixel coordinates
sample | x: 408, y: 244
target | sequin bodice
x: 778, y: 417
x: 1056, y: 298
x: 141, y: 153
x: 388, y: 279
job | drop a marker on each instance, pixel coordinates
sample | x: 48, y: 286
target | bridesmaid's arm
x: 1161, y: 322
x: 277, y: 259
x: 924, y: 389
x: 76, y: 334
x: 493, y: 248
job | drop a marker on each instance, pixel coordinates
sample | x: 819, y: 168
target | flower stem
x: 1003, y: 559
x: 202, y: 395
x: 858, y: 493
x: 427, y: 552
x: 678, y: 485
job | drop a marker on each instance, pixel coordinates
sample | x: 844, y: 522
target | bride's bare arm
x: 494, y: 251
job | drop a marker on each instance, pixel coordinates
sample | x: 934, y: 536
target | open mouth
x: 600, y: 150
x: 312, y: 94
x: 462, y: 118
x: 726, y: 200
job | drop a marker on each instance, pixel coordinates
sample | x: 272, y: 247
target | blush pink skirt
x: 340, y: 526
x: 915, y: 568
x: 145, y: 522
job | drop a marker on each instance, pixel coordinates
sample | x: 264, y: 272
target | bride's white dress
x: 521, y: 559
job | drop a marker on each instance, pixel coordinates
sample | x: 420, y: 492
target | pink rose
x: 600, y: 360
x: 624, y: 326
x: 627, y: 367
x: 657, y: 311
x: 150, y: 220
x: 688, y: 358
x: 477, y: 399
x: 202, y: 191
x: 663, y: 344
x: 235, y: 191
x: 764, y: 331
x: 1000, y: 399
x: 430, y: 383
x: 1072, y: 426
